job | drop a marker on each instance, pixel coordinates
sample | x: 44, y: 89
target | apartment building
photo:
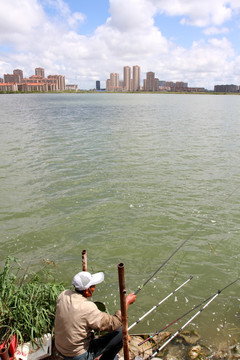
x: 226, y: 88
x: 37, y: 82
x: 112, y: 84
x: 126, y: 78
x: 136, y: 78
x: 12, y: 78
x: 150, y: 81
x: 59, y: 80
x: 40, y: 72
x: 19, y: 73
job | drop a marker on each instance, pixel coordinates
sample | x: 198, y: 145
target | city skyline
x: 151, y: 83
x: 56, y: 83
x: 194, y: 41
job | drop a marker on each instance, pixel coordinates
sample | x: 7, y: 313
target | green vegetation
x: 27, y: 302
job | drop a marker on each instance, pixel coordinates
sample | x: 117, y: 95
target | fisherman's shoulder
x: 68, y: 294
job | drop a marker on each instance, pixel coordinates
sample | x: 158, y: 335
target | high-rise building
x: 98, y: 86
x: 108, y: 84
x: 20, y: 73
x: 40, y: 72
x: 114, y: 81
x: 136, y: 78
x: 156, y: 84
x: 150, y: 82
x: 126, y: 78
x: 131, y: 85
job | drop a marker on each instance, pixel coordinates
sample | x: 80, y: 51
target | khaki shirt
x: 75, y: 318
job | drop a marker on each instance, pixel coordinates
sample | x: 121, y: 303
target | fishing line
x: 192, y: 318
x: 24, y: 275
x: 182, y: 244
x: 188, y: 312
x: 155, y: 307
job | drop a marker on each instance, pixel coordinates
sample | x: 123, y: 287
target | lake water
x: 128, y: 177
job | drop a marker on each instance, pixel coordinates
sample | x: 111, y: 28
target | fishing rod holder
x: 122, y: 290
x: 84, y: 260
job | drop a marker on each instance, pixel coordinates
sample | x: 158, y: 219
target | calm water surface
x: 128, y: 177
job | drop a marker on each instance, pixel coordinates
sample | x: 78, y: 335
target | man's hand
x: 130, y: 299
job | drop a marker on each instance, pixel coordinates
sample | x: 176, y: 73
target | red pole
x: 84, y: 260
x: 122, y: 290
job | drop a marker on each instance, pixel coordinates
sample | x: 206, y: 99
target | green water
x: 128, y: 177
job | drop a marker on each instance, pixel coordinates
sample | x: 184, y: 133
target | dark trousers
x: 108, y: 345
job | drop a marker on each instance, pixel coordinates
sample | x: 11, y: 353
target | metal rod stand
x: 122, y: 290
x: 84, y: 260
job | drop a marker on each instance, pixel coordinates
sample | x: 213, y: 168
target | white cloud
x: 19, y: 17
x: 75, y: 19
x: 128, y: 37
x: 199, y: 13
x: 215, y: 31
x: 200, y: 65
x: 131, y: 15
x: 63, y: 11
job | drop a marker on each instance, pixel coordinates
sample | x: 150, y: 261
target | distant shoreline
x: 121, y: 92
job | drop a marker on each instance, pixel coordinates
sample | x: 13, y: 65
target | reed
x: 27, y: 302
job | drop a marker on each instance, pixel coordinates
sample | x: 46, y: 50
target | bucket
x: 10, y: 346
x: 4, y: 353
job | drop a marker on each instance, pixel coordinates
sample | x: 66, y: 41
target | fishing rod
x: 155, y: 307
x: 178, y: 331
x: 174, y: 321
x: 192, y: 318
x: 181, y: 245
x: 188, y: 312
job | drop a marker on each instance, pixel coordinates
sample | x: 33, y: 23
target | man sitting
x: 76, y: 318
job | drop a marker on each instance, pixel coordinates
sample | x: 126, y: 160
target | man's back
x: 76, y: 317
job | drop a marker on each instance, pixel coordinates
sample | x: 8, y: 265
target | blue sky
x: 194, y: 41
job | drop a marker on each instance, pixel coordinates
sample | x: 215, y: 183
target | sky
x: 195, y: 41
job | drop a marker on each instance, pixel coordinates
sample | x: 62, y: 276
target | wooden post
x: 122, y: 290
x: 84, y: 260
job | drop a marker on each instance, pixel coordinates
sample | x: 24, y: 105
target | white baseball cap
x: 83, y: 280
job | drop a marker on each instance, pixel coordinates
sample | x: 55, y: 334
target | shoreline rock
x: 186, y: 346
